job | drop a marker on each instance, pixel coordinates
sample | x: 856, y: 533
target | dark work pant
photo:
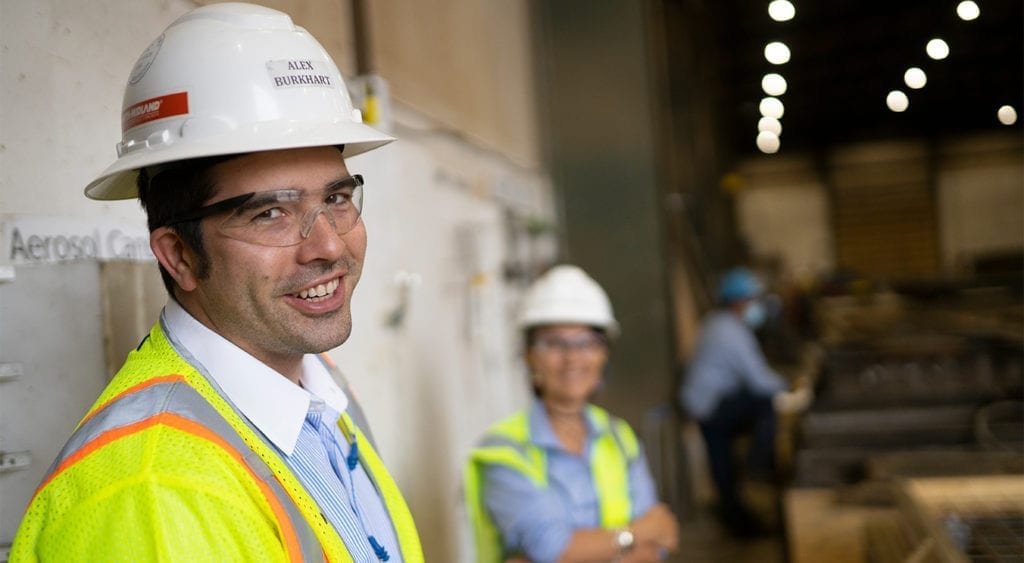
x: 737, y: 414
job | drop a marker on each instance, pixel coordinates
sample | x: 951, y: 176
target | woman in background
x: 563, y: 480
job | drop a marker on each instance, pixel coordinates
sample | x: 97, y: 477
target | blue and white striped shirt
x: 348, y: 499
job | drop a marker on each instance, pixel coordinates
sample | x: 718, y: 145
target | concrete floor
x: 703, y: 539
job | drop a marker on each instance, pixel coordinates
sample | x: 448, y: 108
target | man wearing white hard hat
x: 226, y: 436
x: 564, y: 480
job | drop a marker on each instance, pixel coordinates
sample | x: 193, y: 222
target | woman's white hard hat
x: 565, y: 294
x: 230, y: 78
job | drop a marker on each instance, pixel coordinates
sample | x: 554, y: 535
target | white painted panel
x: 51, y: 323
x: 981, y: 211
x: 789, y: 222
x: 65, y: 64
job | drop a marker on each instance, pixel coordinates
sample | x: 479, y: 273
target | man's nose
x: 310, y: 220
x: 321, y: 240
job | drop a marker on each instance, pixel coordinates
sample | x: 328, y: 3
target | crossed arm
x: 537, y: 523
x: 655, y: 533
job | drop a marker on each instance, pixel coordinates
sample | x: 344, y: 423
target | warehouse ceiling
x: 847, y: 55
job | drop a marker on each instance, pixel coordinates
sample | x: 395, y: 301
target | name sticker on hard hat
x: 154, y: 108
x: 291, y: 73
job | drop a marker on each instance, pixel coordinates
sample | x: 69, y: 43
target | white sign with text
x: 52, y: 240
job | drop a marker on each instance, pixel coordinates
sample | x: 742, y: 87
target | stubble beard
x: 282, y: 331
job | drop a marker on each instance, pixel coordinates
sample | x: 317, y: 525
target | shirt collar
x: 275, y: 405
x: 544, y: 436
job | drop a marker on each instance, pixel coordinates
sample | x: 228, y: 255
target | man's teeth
x: 320, y: 291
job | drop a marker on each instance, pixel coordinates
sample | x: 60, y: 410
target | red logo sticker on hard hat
x: 154, y: 108
x: 297, y: 73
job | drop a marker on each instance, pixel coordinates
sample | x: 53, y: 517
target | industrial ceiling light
x: 768, y: 142
x: 769, y: 124
x: 781, y: 10
x: 772, y: 107
x: 897, y: 101
x: 967, y: 10
x: 773, y: 84
x: 937, y: 49
x: 776, y: 52
x: 1007, y: 115
x: 915, y: 78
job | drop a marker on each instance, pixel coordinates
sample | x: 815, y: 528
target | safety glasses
x: 284, y: 217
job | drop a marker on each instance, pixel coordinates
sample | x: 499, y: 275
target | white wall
x: 435, y: 212
x: 62, y: 73
x: 433, y: 382
x: 783, y: 208
x: 782, y: 211
x: 63, y: 66
x: 981, y: 200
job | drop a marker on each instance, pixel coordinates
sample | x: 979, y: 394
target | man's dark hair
x: 168, y: 191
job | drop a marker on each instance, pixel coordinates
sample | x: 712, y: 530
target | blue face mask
x: 755, y: 314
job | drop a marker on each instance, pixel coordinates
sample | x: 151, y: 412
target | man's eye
x: 268, y: 214
x: 339, y: 198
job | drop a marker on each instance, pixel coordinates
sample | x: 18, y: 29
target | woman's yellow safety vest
x: 164, y: 468
x: 508, y: 443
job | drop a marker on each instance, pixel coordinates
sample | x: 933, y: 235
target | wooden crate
x: 973, y: 518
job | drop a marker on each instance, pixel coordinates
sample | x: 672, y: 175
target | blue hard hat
x: 738, y: 284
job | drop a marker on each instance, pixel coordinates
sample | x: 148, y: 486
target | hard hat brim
x: 118, y: 181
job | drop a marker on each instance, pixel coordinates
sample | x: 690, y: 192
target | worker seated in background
x: 731, y: 391
x: 563, y: 480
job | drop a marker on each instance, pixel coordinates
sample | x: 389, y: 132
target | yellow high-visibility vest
x: 508, y: 444
x: 164, y: 468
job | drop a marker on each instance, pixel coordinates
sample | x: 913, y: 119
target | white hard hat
x: 230, y: 78
x: 567, y: 295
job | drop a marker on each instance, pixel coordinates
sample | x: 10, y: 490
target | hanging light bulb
x: 937, y: 49
x: 776, y: 53
x: 897, y: 101
x: 967, y: 10
x: 773, y: 84
x: 768, y: 142
x: 1007, y: 115
x: 772, y: 107
x: 781, y: 10
x: 770, y: 124
x: 915, y: 78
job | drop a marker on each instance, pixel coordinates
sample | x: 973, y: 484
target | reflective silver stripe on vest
x: 616, y: 428
x: 497, y: 440
x: 494, y: 440
x: 181, y: 399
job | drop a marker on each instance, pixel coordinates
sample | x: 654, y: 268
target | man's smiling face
x: 280, y: 302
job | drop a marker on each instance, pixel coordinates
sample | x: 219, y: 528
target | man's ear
x: 175, y: 257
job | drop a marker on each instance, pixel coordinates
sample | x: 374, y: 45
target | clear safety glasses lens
x: 586, y: 345
x: 284, y: 217
x: 287, y: 217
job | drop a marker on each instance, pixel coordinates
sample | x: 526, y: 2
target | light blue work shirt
x: 727, y: 359
x: 539, y: 522
x: 347, y: 498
